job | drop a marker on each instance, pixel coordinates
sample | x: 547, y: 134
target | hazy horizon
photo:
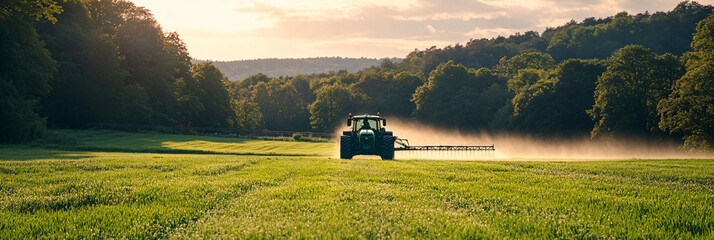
x: 290, y: 58
x: 224, y: 30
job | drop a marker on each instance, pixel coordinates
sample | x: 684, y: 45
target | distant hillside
x: 273, y: 67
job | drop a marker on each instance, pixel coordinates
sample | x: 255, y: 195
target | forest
x: 71, y: 63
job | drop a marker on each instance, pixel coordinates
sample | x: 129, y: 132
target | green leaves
x: 627, y: 93
x: 452, y: 96
x: 88, y: 86
x: 333, y: 104
x: 530, y: 58
x: 25, y: 74
x: 219, y: 108
x: 553, y: 102
x: 30, y: 9
x: 689, y: 109
x: 280, y: 105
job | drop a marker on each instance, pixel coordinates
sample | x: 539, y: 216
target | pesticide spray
x: 522, y: 147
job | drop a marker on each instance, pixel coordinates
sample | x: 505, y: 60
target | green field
x: 103, y: 184
x: 114, y: 141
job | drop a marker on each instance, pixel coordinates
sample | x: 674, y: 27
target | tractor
x: 367, y: 137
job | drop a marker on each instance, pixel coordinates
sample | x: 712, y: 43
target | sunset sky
x: 251, y: 29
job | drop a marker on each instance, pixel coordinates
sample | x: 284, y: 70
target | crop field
x: 104, y: 184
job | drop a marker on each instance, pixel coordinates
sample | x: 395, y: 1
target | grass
x: 115, y: 141
x: 50, y: 193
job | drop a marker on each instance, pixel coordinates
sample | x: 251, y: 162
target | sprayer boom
x: 404, y: 143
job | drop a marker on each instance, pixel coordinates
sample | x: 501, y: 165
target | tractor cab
x: 367, y: 122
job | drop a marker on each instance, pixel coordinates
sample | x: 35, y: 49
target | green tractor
x: 367, y: 137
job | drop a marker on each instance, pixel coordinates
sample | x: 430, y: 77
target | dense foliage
x: 100, y: 61
x: 25, y: 70
x: 71, y: 63
x: 689, y: 109
x: 662, y: 32
x: 628, y: 91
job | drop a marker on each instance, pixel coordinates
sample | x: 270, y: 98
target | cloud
x: 431, y: 28
x: 442, y: 20
x: 464, y: 16
x: 478, y: 33
x: 318, y: 10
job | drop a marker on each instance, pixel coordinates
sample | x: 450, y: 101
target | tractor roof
x: 368, y: 116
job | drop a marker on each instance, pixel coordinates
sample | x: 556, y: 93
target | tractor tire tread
x: 387, y: 148
x: 346, y: 147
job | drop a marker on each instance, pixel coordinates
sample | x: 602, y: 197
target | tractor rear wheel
x: 387, y: 148
x: 346, y: 147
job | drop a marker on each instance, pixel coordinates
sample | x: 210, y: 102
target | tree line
x: 78, y: 61
x: 75, y: 62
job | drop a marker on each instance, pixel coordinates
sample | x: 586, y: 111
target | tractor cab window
x: 366, y: 124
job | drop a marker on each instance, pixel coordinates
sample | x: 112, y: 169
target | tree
x: 301, y: 83
x: 30, y: 9
x: 569, y: 41
x: 219, y: 108
x: 480, y: 98
x: 247, y: 114
x: 389, y: 90
x: 252, y: 80
x: 185, y: 87
x: 525, y: 78
x: 627, y: 93
x: 332, y: 105
x: 399, y: 93
x: 413, y: 63
x: 689, y: 109
x: 190, y: 105
x: 662, y: 32
x: 530, y: 58
x: 88, y: 86
x: 435, y: 100
x: 25, y: 72
x: 451, y: 96
x: 575, y: 83
x: 280, y: 105
x: 525, y: 85
x: 153, y: 59
x: 556, y: 103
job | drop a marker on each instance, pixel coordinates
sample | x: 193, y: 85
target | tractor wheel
x: 387, y: 148
x: 346, y: 147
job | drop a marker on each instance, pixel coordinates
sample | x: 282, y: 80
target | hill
x: 274, y: 67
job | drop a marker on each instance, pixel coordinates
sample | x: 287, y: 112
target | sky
x: 250, y: 29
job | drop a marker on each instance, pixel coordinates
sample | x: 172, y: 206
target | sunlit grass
x: 98, y: 140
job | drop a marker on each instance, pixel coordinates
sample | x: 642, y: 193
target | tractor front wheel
x: 346, y: 147
x: 387, y: 148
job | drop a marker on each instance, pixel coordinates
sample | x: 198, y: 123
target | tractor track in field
x: 178, y: 151
x: 189, y: 230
